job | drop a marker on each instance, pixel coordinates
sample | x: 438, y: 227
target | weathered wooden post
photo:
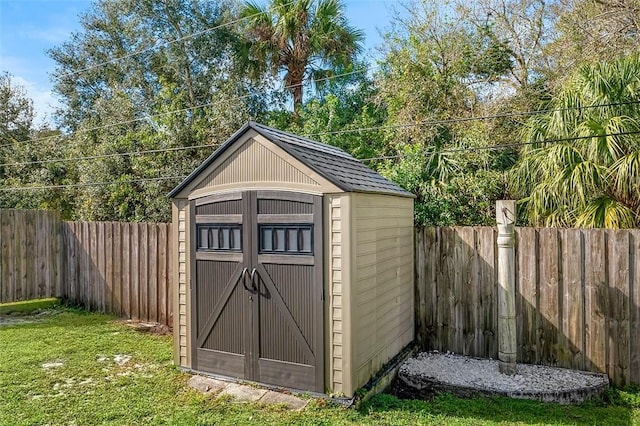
x: 506, y: 218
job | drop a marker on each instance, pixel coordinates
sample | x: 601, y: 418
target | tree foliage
x: 148, y: 75
x: 594, y: 180
x: 304, y: 39
x: 149, y: 88
x: 427, y: 76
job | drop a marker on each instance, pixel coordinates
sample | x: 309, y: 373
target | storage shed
x: 294, y: 265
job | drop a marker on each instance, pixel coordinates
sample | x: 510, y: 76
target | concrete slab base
x: 290, y: 401
x: 430, y: 373
x: 245, y: 393
x: 206, y: 384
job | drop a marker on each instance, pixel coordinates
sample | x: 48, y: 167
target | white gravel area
x: 458, y: 370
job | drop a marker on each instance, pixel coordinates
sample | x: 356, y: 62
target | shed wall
x: 337, y: 222
x: 182, y: 321
x: 382, y: 295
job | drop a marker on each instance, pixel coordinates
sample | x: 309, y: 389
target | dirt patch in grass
x: 149, y: 327
x: 19, y: 317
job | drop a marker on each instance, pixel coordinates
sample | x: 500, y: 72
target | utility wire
x: 345, y: 131
x: 181, y: 148
x: 117, y: 154
x: 503, y: 146
x: 452, y: 150
x: 162, y: 114
x: 467, y: 119
x: 166, y: 43
x: 75, y: 185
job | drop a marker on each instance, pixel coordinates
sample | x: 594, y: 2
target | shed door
x: 262, y: 316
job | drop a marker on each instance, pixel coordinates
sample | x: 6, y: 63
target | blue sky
x: 28, y: 28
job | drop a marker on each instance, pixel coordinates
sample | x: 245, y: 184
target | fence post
x: 505, y: 219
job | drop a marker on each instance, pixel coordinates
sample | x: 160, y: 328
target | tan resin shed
x: 295, y: 265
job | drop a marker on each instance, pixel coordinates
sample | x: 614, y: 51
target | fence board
x: 634, y: 306
x: 143, y: 252
x: 41, y: 250
x: 30, y: 247
x: 549, y: 293
x: 116, y: 302
x: 619, y: 307
x: 152, y: 295
x: 465, y: 290
x: 126, y: 269
x: 571, y: 347
x: 488, y: 302
x: 108, y: 268
x: 163, y: 253
x: 8, y: 257
x: 445, y: 284
x: 135, y: 271
x: 527, y: 302
x: 22, y: 262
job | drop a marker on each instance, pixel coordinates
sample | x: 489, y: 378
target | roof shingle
x: 330, y: 162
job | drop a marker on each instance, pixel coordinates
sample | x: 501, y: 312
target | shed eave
x: 344, y: 186
x: 175, y: 192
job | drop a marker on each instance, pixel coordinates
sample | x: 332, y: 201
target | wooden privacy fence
x: 577, y: 301
x: 31, y: 261
x: 119, y: 268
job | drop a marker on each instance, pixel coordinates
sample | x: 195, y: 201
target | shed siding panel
x: 382, y: 288
x: 336, y: 308
x: 182, y: 321
x: 240, y: 167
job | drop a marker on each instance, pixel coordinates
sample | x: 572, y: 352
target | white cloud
x: 49, y: 35
x: 44, y: 102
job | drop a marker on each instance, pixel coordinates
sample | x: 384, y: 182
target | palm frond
x: 605, y: 212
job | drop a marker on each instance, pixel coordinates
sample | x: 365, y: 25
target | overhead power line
x: 432, y: 122
x: 167, y: 113
x: 85, y: 184
x: 344, y: 131
x: 100, y: 156
x: 452, y: 150
x: 503, y: 146
x: 467, y: 119
x: 165, y: 43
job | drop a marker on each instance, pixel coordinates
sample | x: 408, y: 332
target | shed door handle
x: 244, y: 280
x: 254, y: 275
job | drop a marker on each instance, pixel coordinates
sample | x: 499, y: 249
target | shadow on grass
x: 617, y: 410
x: 59, y: 316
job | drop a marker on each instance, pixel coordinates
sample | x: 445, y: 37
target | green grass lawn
x: 78, y: 368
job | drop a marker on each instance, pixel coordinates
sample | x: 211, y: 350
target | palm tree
x: 305, y: 39
x: 592, y: 181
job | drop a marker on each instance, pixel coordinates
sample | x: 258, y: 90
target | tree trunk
x: 297, y: 97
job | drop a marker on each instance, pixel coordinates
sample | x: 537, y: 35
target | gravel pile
x: 446, y: 372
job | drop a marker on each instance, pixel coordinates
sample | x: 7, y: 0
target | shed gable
x: 240, y: 167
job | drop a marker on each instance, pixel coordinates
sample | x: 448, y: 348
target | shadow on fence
x: 577, y: 301
x: 31, y: 261
x: 118, y: 268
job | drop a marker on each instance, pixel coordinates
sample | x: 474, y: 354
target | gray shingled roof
x: 330, y: 162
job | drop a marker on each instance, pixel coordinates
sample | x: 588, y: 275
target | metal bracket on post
x: 507, y: 345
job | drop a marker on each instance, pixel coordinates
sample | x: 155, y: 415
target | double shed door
x: 257, y: 285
